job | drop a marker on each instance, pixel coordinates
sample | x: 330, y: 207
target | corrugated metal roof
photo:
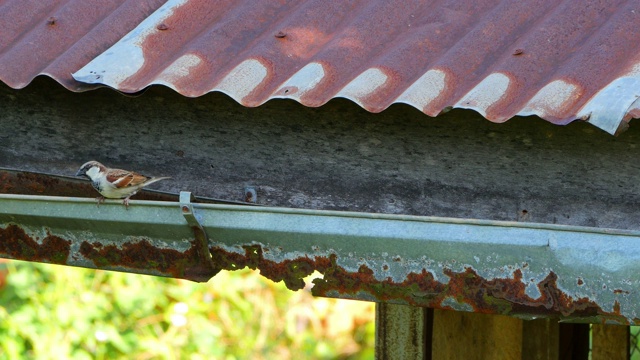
x: 57, y: 37
x: 560, y: 60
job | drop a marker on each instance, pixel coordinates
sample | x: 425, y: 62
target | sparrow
x: 115, y: 183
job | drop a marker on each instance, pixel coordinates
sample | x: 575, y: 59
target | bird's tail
x: 155, y: 179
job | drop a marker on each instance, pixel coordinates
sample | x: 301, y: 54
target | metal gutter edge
x: 526, y: 270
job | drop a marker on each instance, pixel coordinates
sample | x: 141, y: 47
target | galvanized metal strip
x: 201, y: 238
x: 528, y: 270
x: 533, y: 270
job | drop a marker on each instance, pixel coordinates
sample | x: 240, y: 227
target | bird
x: 115, y: 183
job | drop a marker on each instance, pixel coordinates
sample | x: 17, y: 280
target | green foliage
x: 54, y: 312
x: 635, y: 343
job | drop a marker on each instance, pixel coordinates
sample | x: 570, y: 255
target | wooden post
x: 540, y: 339
x: 574, y: 341
x: 461, y: 335
x: 610, y: 342
x: 403, y: 332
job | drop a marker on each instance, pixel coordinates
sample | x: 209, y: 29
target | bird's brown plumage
x: 123, y: 178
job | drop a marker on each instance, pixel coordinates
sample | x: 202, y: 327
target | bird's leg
x: 126, y: 202
x: 100, y: 199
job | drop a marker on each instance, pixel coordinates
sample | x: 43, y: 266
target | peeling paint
x: 243, y: 79
x: 15, y: 243
x: 488, y: 92
x: 465, y: 290
x: 142, y: 254
x: 363, y: 85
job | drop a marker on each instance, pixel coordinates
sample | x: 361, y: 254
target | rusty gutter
x: 16, y: 181
x: 527, y: 270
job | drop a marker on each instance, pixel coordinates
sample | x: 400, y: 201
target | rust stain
x: 496, y: 296
x: 17, y: 244
x: 29, y: 183
x: 144, y: 255
x: 616, y: 307
x: 620, y: 292
x: 6, y: 186
x: 291, y: 272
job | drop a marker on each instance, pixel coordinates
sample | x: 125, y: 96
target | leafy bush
x: 49, y: 311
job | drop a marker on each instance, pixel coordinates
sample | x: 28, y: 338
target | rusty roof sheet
x: 57, y: 37
x: 559, y: 60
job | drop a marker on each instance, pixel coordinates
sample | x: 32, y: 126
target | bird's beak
x: 80, y: 173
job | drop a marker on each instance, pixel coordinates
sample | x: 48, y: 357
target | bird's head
x: 90, y: 169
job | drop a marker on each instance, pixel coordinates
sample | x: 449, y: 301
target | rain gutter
x: 527, y: 270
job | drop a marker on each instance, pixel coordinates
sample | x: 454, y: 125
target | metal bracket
x: 250, y: 195
x: 208, y: 269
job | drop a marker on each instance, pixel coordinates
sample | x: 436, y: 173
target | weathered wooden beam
x: 336, y: 157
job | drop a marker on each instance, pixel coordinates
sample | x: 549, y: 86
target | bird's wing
x: 122, y: 178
